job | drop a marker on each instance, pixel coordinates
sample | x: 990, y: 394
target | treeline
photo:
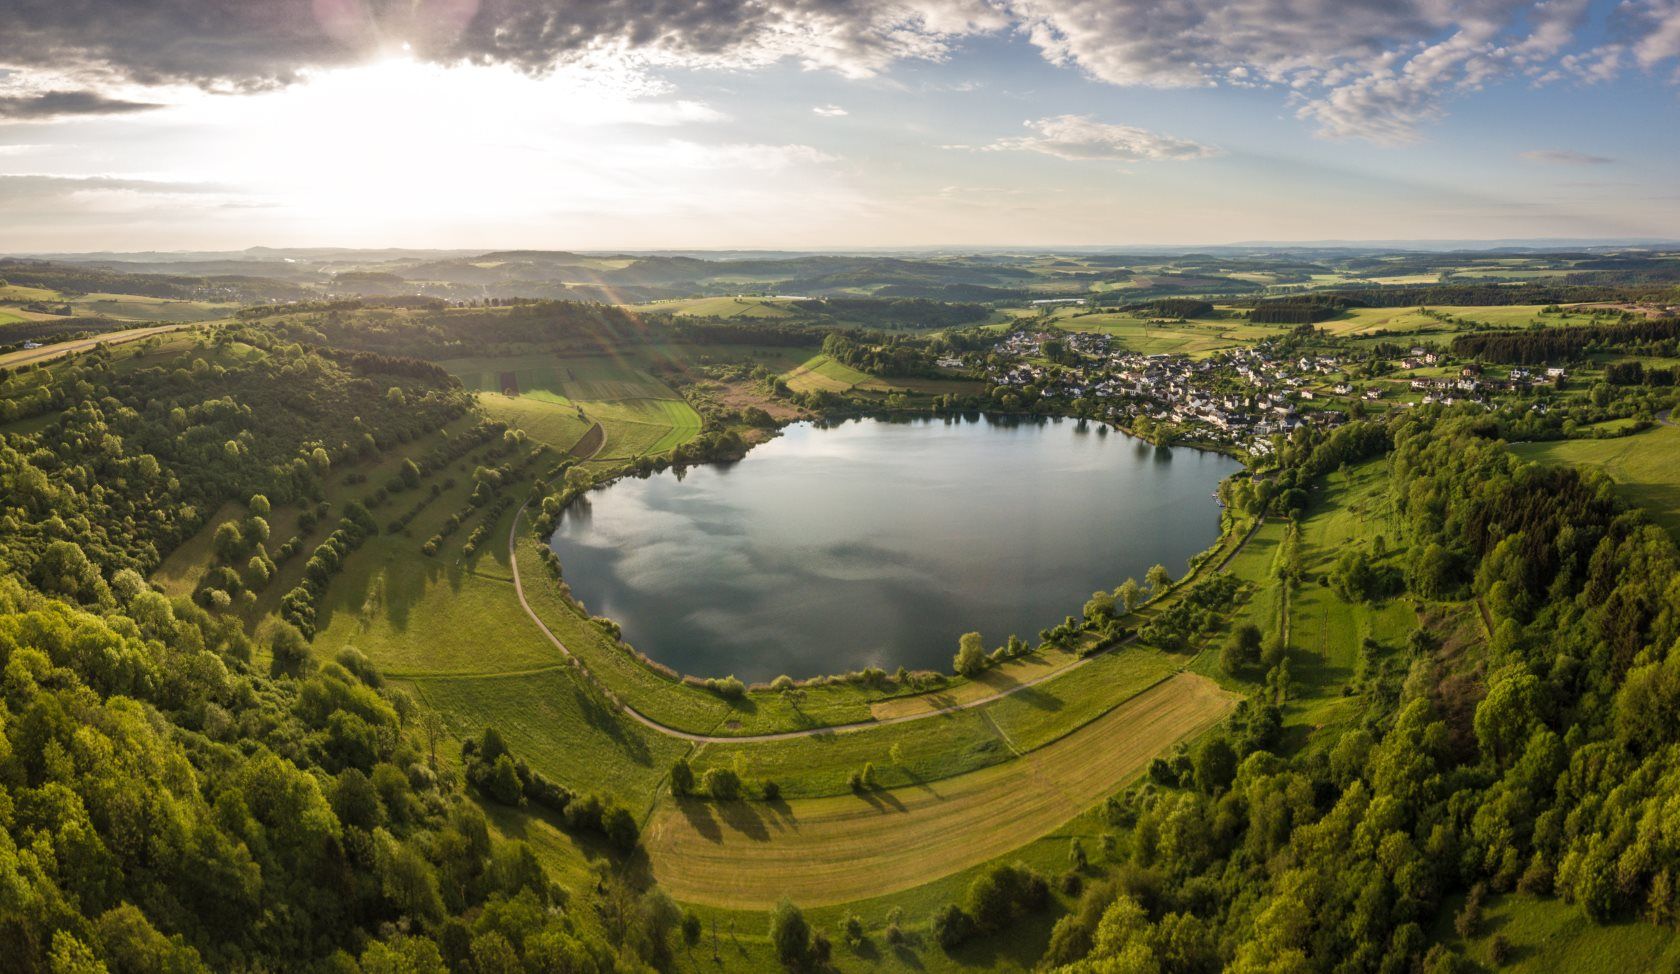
x: 1541, y: 345
x: 883, y: 355
x: 895, y: 313
x: 88, y: 279
x: 1171, y: 308
x: 1299, y: 309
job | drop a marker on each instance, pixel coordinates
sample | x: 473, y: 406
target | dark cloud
x: 57, y: 104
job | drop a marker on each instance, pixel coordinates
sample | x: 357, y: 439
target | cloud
x: 1565, y: 157
x: 46, y: 105
x: 1372, y: 69
x: 830, y: 111
x: 261, y: 43
x: 1082, y: 138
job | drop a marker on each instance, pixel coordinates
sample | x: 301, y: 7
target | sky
x: 813, y: 124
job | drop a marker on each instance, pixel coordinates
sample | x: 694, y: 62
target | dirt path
x: 649, y: 722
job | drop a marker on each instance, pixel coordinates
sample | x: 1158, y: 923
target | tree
x: 288, y: 649
x: 723, y: 784
x: 1099, y: 607
x: 971, y: 655
x: 1241, y: 649
x: 1128, y: 593
x: 1159, y: 580
x: 682, y: 777
x: 1215, y: 764
x: 790, y: 934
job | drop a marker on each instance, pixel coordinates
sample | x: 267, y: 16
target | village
x: 1236, y: 398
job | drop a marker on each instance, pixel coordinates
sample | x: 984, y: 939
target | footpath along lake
x: 876, y: 543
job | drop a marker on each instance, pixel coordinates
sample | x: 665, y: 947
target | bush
x: 952, y: 927
x: 790, y: 935
x: 723, y: 784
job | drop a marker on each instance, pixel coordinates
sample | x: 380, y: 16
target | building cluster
x: 1241, y: 396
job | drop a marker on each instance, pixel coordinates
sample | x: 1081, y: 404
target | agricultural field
x: 135, y: 307
x: 1645, y: 467
x: 1197, y: 338
x: 831, y: 850
x: 823, y: 374
x: 1464, y: 319
x: 728, y: 307
x: 557, y: 400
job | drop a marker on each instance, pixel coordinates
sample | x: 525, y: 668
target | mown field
x: 1197, y: 338
x: 1645, y: 467
x: 831, y: 850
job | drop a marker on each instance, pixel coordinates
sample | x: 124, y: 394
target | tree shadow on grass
x: 744, y: 818
x: 699, y: 816
x: 1038, y: 699
x: 882, y: 801
x: 602, y: 718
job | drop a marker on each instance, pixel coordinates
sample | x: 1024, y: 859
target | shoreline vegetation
x: 1087, y: 639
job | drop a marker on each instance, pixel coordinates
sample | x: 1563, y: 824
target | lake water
x: 878, y: 543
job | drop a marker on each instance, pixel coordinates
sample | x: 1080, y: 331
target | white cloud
x: 830, y: 111
x: 1081, y: 138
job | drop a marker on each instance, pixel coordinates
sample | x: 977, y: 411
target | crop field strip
x: 832, y: 850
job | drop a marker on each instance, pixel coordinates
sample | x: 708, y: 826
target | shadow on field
x: 708, y: 819
x: 604, y: 720
x: 699, y: 815
x: 882, y: 801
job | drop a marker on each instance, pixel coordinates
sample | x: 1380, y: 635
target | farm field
x: 1362, y: 321
x: 823, y: 374
x: 727, y: 307
x: 831, y: 850
x: 136, y: 307
x: 1644, y: 466
x: 1197, y: 339
x: 557, y: 400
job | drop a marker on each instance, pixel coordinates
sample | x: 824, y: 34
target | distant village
x: 1238, y: 397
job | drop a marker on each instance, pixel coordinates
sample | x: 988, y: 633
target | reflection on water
x: 876, y: 543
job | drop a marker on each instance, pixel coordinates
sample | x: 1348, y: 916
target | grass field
x: 727, y: 307
x: 830, y: 850
x: 1197, y: 339
x: 136, y: 307
x: 1548, y: 935
x: 1645, y: 467
x: 1363, y: 321
x: 1326, y: 633
x: 821, y: 373
x: 556, y: 400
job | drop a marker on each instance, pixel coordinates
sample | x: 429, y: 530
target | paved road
x: 47, y: 353
x: 649, y: 722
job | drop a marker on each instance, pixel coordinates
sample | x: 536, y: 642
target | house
x: 1555, y: 373
x: 29, y: 345
x: 1341, y: 388
x: 1373, y: 394
x: 949, y: 362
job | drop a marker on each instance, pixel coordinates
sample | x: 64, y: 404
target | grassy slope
x: 844, y: 848
x: 1645, y: 467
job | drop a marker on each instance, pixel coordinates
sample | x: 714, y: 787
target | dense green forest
x: 1557, y: 781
